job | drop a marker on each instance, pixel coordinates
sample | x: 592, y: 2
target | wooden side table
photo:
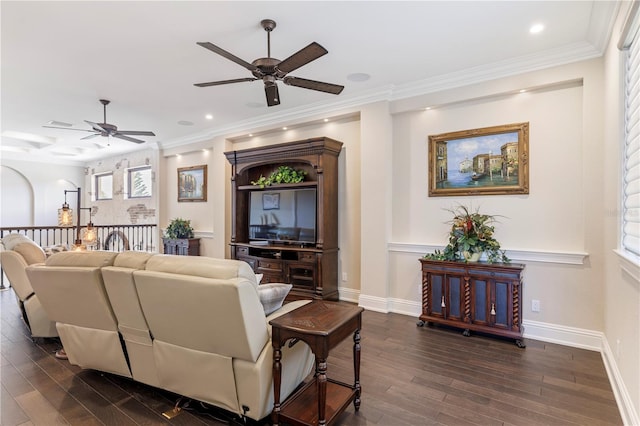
x: 322, y: 325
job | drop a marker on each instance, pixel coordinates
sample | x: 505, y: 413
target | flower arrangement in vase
x: 471, y: 235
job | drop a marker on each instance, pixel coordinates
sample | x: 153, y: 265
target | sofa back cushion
x: 71, y: 290
x: 96, y: 259
x: 31, y: 252
x: 204, y: 304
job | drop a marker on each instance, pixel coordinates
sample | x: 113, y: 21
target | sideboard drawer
x: 306, y: 257
x: 272, y: 265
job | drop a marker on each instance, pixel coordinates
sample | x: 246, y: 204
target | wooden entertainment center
x: 309, y: 263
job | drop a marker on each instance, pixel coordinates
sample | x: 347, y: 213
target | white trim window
x: 631, y: 171
x: 103, y: 184
x: 139, y: 182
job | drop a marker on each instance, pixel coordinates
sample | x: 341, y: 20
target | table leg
x: 321, y: 373
x: 277, y: 371
x: 356, y: 368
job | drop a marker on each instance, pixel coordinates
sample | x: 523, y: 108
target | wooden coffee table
x: 322, y: 325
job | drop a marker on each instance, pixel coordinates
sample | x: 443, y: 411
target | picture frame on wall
x: 192, y: 183
x: 271, y: 201
x: 485, y: 161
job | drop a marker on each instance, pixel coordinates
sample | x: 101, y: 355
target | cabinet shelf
x: 308, y: 184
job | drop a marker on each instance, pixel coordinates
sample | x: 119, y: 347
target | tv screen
x: 286, y: 215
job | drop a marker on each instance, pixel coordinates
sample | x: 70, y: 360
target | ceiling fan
x: 269, y: 69
x: 105, y: 129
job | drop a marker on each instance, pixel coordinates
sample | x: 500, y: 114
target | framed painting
x: 487, y: 161
x: 271, y: 201
x: 192, y: 183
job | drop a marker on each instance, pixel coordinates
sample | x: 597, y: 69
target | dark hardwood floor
x: 410, y: 376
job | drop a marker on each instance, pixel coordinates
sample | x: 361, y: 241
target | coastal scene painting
x: 487, y: 161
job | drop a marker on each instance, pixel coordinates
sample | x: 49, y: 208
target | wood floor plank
x: 11, y: 413
x: 39, y: 410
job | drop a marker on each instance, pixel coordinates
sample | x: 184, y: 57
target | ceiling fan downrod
x: 104, y: 103
x: 268, y: 25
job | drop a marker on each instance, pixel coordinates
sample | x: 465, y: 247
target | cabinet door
x: 436, y: 292
x: 454, y: 298
x: 501, y: 305
x: 301, y: 275
x: 480, y: 301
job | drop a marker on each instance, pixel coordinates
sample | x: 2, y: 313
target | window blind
x: 631, y: 171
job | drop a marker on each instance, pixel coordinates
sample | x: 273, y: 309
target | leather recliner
x: 18, y: 252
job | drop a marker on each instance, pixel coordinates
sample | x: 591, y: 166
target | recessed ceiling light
x: 523, y: 90
x: 250, y: 135
x: 209, y: 117
x: 326, y: 119
x: 536, y: 28
x: 284, y: 128
x: 358, y: 76
x: 427, y: 108
x: 185, y: 123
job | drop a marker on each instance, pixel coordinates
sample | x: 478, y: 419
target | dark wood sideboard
x: 182, y: 246
x: 474, y: 296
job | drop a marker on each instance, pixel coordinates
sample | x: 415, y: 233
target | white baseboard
x: 563, y: 335
x: 623, y: 399
x: 546, y: 332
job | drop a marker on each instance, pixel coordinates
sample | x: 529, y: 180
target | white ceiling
x: 60, y: 58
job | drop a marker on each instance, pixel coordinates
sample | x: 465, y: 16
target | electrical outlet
x: 535, y: 305
x: 344, y: 276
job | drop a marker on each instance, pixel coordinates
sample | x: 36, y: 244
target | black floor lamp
x: 65, y: 218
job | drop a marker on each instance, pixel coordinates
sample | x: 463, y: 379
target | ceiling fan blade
x: 96, y: 126
x: 90, y: 136
x: 271, y: 91
x: 134, y: 132
x: 66, y: 128
x: 302, y: 57
x: 229, y: 56
x: 218, y: 83
x: 127, y: 138
x: 313, y: 85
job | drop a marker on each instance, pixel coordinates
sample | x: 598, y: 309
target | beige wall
x: 621, y: 278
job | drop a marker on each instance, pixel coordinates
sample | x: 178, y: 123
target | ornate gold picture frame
x: 192, y: 183
x: 487, y: 161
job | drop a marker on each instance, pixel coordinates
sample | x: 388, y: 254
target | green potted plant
x: 283, y: 174
x: 179, y: 238
x: 471, y: 235
x: 179, y: 228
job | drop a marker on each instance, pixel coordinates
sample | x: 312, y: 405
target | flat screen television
x: 283, y: 216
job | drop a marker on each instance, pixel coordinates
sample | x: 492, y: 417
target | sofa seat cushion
x: 272, y: 296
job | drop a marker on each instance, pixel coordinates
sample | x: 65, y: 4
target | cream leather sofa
x: 16, y: 253
x: 192, y: 325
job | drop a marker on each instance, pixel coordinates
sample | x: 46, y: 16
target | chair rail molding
x: 543, y: 256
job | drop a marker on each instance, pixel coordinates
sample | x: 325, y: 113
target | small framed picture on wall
x: 192, y: 183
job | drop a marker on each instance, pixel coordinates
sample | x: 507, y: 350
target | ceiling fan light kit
x: 270, y: 70
x: 105, y: 129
